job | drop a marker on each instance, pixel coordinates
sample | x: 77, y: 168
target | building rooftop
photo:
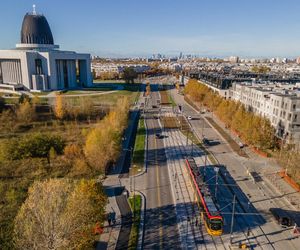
x: 36, y: 30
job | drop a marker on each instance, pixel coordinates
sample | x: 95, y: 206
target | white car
x: 190, y: 118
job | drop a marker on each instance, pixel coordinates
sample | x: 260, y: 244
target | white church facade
x: 38, y: 64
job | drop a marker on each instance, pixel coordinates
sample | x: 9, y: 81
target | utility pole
x: 216, y: 187
x: 202, y: 127
x: 192, y: 148
x: 187, y: 138
x: 232, y: 218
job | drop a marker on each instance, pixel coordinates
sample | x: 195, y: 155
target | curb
x: 142, y: 221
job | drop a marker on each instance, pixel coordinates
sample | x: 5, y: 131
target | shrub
x: 34, y: 145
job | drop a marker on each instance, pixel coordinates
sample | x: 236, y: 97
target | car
x: 205, y: 141
x: 190, y: 118
x: 158, y: 136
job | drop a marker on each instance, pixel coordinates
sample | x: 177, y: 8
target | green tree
x: 24, y: 98
x: 2, y: 104
x: 31, y: 146
x: 59, y: 214
x: 129, y: 75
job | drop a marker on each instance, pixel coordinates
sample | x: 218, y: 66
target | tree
x: 260, y: 69
x: 129, y: 74
x: 59, y: 108
x: 59, y: 214
x: 103, y: 143
x: 2, y: 104
x: 26, y: 112
x: 32, y: 146
x: 23, y: 98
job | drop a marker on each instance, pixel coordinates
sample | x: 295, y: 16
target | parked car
x: 205, y: 141
x: 282, y: 217
x: 158, y: 136
x: 190, y: 118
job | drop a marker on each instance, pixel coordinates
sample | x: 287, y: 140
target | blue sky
x: 249, y: 28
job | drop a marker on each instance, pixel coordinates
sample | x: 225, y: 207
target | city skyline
x: 134, y: 28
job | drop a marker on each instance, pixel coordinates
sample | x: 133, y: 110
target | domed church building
x: 38, y: 64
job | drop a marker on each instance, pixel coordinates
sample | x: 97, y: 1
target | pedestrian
x: 196, y: 222
x: 248, y: 232
x: 109, y: 219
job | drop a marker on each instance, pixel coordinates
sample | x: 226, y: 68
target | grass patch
x: 135, y: 203
x: 139, y: 148
x: 185, y: 129
x: 171, y: 100
x: 97, y: 81
x: 169, y: 122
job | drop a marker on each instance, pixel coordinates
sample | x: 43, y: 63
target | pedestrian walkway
x: 116, y: 235
x: 109, y: 237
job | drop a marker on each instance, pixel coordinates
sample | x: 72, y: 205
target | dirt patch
x: 164, y: 97
x: 169, y: 122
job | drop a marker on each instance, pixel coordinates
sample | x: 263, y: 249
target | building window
x: 295, y: 117
x: 38, y: 67
x: 294, y: 106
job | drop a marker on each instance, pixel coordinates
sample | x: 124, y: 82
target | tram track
x: 212, y: 241
x: 185, y: 152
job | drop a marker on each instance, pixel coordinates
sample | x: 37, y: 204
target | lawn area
x: 108, y: 81
x: 139, y: 148
x: 105, y: 99
x: 171, y: 100
x: 135, y: 203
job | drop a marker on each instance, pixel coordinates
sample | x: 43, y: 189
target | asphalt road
x: 161, y: 231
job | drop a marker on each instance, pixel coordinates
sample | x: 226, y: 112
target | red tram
x: 212, y: 219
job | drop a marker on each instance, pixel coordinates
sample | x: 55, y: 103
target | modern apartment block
x: 280, y: 103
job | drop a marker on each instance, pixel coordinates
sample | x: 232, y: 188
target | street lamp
x: 232, y: 219
x: 131, y: 159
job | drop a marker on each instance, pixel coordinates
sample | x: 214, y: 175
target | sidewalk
x: 117, y: 236
x: 267, y: 168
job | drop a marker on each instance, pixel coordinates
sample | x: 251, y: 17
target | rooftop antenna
x: 34, y: 10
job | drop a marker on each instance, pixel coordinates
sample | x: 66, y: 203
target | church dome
x: 36, y: 30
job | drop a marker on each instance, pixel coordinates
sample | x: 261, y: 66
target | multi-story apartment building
x: 99, y: 68
x: 278, y: 102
